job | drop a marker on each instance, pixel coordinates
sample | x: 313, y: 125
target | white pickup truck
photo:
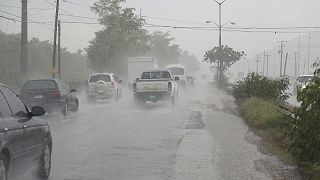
x: 154, y: 86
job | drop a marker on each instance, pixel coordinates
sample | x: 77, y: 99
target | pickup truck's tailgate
x: 152, y: 86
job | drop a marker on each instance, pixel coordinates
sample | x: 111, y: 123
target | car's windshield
x: 100, y: 77
x: 39, y: 84
x: 177, y: 71
x: 304, y: 79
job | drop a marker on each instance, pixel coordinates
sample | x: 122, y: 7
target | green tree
x: 40, y: 61
x: 228, y: 54
x: 122, y: 36
x: 162, y: 48
x: 190, y: 62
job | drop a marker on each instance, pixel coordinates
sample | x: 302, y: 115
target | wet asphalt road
x: 202, y: 137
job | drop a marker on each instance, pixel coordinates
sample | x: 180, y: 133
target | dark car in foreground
x: 53, y: 95
x: 24, y: 139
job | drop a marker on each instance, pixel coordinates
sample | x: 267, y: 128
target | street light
x: 220, y: 45
x: 232, y: 23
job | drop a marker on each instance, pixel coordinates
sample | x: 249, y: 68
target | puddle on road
x: 195, y: 120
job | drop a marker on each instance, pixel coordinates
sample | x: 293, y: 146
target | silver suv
x: 104, y: 86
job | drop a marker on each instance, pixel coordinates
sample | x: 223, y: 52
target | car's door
x: 11, y: 125
x: 70, y: 97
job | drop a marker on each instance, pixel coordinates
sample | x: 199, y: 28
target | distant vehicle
x: 104, y: 86
x: 24, y: 139
x: 137, y: 65
x: 53, y: 95
x: 190, y: 81
x: 301, y: 82
x: 154, y: 86
x: 178, y: 70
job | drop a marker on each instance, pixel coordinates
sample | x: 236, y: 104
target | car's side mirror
x: 176, y: 78
x: 120, y: 81
x: 37, y: 111
x: 137, y: 79
x: 73, y: 90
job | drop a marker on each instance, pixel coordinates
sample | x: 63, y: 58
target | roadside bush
x: 304, y: 129
x: 255, y: 85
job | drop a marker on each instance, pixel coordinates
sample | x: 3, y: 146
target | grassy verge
x: 267, y: 122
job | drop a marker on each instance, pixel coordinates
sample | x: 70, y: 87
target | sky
x: 245, y: 13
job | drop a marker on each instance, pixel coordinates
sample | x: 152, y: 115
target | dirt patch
x: 279, y: 171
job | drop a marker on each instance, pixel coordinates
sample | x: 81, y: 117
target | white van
x: 178, y: 70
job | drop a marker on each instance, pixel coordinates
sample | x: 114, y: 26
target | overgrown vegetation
x: 255, y: 85
x: 304, y: 129
x: 74, y: 65
x: 296, y: 137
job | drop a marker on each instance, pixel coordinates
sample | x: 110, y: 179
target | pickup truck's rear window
x: 98, y: 77
x: 156, y: 75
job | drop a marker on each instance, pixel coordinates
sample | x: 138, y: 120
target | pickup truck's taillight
x: 56, y: 94
x: 169, y: 86
x: 134, y: 87
x: 112, y: 84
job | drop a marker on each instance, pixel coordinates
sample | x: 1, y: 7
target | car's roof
x: 44, y: 80
x: 306, y: 75
x: 141, y: 58
x: 175, y: 66
x: 156, y: 70
x: 101, y: 74
x: 3, y: 85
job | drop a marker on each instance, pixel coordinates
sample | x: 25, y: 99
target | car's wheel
x: 64, y: 109
x: 45, y: 162
x: 76, y: 107
x: 3, y: 167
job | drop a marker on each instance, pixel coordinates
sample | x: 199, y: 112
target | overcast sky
x: 245, y: 13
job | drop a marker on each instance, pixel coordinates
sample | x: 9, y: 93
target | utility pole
x: 220, y: 43
x: 59, y: 49
x: 309, y: 53
x: 295, y: 65
x: 264, y: 61
x: 24, y: 37
x: 257, y: 64
x: 299, y: 54
x: 281, y: 55
x: 55, y: 41
x: 267, y: 55
x: 285, y: 65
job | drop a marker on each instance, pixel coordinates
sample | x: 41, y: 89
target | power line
x: 33, y: 9
x: 85, y: 17
x: 72, y: 15
x: 173, y: 20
